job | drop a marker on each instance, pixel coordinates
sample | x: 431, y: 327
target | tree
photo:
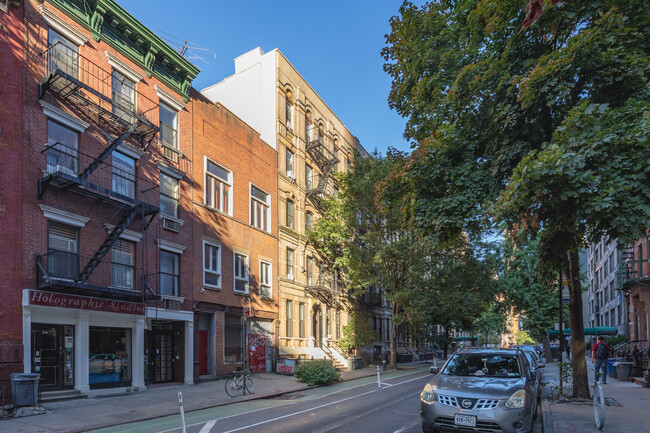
x: 546, y: 129
x: 357, y: 333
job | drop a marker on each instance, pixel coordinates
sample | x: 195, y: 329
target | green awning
x: 598, y: 330
x: 465, y: 338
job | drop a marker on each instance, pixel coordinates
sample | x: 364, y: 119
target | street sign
x: 565, y: 295
x: 565, y: 301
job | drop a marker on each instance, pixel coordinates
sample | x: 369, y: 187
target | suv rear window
x: 483, y: 364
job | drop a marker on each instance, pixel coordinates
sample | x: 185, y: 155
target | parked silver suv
x: 480, y: 390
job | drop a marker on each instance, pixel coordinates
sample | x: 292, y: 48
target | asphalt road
x: 353, y: 406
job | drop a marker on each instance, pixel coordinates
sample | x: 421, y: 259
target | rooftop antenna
x: 185, y: 48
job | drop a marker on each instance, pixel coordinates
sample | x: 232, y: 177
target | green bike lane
x: 171, y: 423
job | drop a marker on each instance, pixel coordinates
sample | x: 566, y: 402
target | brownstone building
x: 101, y: 178
x: 235, y: 242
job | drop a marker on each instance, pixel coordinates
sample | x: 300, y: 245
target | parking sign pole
x: 559, y: 295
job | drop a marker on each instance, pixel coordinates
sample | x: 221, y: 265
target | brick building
x: 234, y: 199
x: 105, y: 196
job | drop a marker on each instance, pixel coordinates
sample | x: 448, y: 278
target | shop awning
x: 465, y: 338
x: 598, y: 330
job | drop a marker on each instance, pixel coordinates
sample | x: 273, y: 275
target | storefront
x: 83, y: 342
x: 168, y: 346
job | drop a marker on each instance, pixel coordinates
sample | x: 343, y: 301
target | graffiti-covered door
x: 257, y: 353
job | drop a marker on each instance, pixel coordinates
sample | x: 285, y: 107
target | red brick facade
x: 226, y: 141
x: 11, y: 138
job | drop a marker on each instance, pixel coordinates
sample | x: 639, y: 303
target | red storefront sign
x: 257, y: 353
x: 61, y: 300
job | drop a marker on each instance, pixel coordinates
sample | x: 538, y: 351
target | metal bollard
x: 378, y: 379
x: 180, y: 404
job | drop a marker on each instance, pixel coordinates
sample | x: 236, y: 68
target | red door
x: 203, y: 352
x: 257, y: 353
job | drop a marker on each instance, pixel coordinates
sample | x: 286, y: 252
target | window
x: 266, y: 288
x: 307, y: 128
x: 123, y: 94
x: 169, y: 273
x: 309, y: 221
x: 62, y: 54
x: 260, y: 206
x: 288, y: 111
x: 290, y: 214
x: 233, y: 335
x: 62, y: 251
x: 168, y: 126
x: 289, y: 163
x: 338, y: 324
x: 310, y: 271
x: 168, y: 195
x: 241, y: 273
x: 309, y: 177
x: 347, y: 164
x: 301, y: 320
x: 289, y: 316
x: 123, y: 264
x: 211, y: 265
x: 336, y: 159
x: 217, y: 187
x: 290, y: 254
x: 62, y: 148
x: 123, y: 175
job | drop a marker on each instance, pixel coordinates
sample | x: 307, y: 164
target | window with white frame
x: 289, y: 316
x: 260, y: 208
x: 169, y: 273
x: 289, y: 165
x: 123, y: 264
x: 168, y: 126
x: 290, y: 214
x: 62, y: 151
x: 123, y: 174
x: 309, y: 177
x: 123, y: 94
x: 290, y: 255
x: 266, y: 288
x: 288, y: 111
x: 211, y: 265
x: 301, y: 320
x: 241, y: 273
x: 307, y: 128
x: 62, y: 54
x: 169, y: 195
x: 310, y: 270
x: 217, y: 187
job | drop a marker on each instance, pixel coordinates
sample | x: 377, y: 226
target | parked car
x: 483, y: 389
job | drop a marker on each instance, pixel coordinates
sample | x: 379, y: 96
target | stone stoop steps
x: 638, y: 380
x: 70, y: 394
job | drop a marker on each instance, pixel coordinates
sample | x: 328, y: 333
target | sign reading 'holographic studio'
x: 49, y: 299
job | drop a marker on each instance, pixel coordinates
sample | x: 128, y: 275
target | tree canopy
x: 546, y: 129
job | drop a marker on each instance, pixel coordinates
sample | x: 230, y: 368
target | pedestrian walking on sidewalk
x: 600, y: 352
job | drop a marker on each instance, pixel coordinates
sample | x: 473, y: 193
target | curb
x: 547, y: 418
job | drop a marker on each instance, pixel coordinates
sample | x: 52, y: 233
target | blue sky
x: 335, y: 45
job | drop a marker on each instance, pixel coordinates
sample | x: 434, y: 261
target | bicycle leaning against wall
x: 240, y: 382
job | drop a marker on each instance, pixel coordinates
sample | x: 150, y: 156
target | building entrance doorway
x: 317, y: 326
x: 53, y: 355
x: 160, y: 353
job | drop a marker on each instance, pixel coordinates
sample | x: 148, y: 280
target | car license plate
x: 465, y: 420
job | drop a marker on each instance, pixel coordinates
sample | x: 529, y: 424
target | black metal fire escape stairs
x: 82, y: 85
x: 322, y: 186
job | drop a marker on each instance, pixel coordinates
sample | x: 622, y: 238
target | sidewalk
x: 627, y: 408
x: 160, y: 400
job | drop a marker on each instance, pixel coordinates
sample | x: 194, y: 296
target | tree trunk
x: 393, y: 337
x: 547, y: 348
x: 578, y: 362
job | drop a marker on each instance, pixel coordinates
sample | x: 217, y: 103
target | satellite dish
x: 185, y: 48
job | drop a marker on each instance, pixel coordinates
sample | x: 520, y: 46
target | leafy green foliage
x: 524, y: 338
x: 317, y: 372
x: 357, y: 333
x: 544, y: 130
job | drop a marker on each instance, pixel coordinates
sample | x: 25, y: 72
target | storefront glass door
x: 53, y: 355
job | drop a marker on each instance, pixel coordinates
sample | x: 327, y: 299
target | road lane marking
x: 208, y: 426
x: 408, y: 426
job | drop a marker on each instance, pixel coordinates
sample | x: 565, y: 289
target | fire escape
x: 87, y: 90
x: 320, y: 186
x: 632, y: 270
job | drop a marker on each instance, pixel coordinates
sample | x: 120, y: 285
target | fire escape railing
x: 632, y: 270
x: 327, y: 290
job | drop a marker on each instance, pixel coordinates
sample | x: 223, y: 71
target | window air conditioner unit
x: 172, y: 304
x: 171, y: 224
